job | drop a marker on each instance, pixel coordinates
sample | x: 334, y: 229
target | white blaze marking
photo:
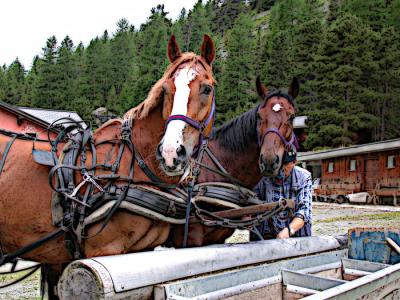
x: 173, y: 137
x: 277, y: 107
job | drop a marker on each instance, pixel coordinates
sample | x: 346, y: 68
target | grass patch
x: 13, y: 276
x: 390, y: 216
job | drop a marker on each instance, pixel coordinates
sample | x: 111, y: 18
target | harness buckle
x: 126, y: 130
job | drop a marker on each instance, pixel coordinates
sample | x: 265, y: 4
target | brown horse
x: 25, y: 195
x: 247, y: 147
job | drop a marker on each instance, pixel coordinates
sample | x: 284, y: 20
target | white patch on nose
x: 277, y: 107
x: 173, y: 137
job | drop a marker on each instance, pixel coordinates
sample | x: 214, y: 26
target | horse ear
x: 261, y: 89
x: 294, y: 88
x: 207, y: 49
x: 173, y: 49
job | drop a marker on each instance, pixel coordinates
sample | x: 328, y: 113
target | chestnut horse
x: 186, y: 90
x: 248, y: 147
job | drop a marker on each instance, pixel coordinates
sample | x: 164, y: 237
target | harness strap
x: 196, y: 172
x: 6, y: 151
x: 33, y: 270
x: 216, y: 161
x: 146, y: 170
x: 213, y: 219
x: 200, y: 126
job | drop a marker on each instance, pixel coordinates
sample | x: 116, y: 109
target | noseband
x: 293, y: 140
x: 200, y: 126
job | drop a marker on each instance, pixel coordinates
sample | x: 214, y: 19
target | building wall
x: 371, y: 170
x: 9, y: 121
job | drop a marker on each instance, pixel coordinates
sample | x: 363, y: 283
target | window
x: 391, y: 162
x: 330, y: 167
x: 353, y: 165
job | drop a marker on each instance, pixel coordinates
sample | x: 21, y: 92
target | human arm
x: 296, y: 224
x: 303, y: 208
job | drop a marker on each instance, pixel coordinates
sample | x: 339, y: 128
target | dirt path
x: 336, y: 219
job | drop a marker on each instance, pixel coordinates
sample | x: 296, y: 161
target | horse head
x: 188, y: 105
x: 275, y: 126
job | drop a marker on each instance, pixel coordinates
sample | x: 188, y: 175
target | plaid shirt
x: 297, y: 186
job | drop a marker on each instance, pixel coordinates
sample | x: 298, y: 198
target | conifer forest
x: 345, y: 53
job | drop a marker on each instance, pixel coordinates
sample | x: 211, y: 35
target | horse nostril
x: 181, y: 151
x: 277, y: 159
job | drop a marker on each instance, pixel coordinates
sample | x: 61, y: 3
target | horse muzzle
x: 173, y: 161
x: 270, y: 166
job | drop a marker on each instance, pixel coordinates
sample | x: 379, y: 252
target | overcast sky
x: 25, y: 25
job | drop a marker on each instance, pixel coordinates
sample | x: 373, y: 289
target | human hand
x: 283, y: 234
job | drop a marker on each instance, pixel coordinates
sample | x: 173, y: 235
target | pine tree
x: 3, y: 83
x: 226, y: 12
x: 261, y: 5
x: 151, y: 57
x: 45, y: 87
x: 306, y: 40
x: 385, y: 102
x: 278, y: 60
x: 340, y: 115
x: 345, y: 53
x: 197, y: 24
x: 97, y: 68
x: 30, y: 82
x: 372, y: 12
x: 122, y: 49
x: 393, y: 9
x: 294, y: 30
x: 122, y: 26
x: 236, y: 93
x: 66, y: 67
x: 15, y: 82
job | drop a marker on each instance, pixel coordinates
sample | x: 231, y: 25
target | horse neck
x: 146, y: 135
x: 241, y: 164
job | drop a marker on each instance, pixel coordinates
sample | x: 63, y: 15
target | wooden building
x: 33, y: 121
x: 373, y: 168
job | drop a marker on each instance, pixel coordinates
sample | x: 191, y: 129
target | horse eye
x: 291, y: 118
x: 206, y: 89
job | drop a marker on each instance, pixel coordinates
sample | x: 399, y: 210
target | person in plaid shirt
x: 294, y: 183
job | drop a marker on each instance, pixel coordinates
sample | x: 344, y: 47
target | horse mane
x: 154, y: 98
x: 236, y: 135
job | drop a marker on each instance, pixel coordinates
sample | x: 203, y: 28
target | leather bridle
x: 200, y: 126
x: 287, y: 143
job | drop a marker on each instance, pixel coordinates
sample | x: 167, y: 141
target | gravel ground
x: 336, y: 219
x: 328, y: 219
x: 28, y: 289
